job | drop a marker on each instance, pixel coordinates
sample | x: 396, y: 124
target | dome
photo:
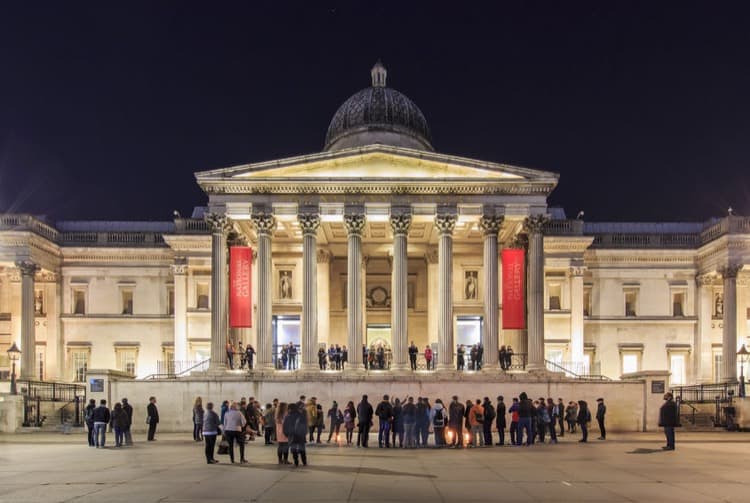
x: 378, y: 114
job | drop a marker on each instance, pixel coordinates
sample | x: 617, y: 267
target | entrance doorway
x: 379, y: 337
x: 286, y: 329
x: 468, y: 330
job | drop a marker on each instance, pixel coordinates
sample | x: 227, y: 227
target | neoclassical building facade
x: 376, y: 240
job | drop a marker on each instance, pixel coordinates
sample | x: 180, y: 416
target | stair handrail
x: 570, y: 373
x: 178, y: 374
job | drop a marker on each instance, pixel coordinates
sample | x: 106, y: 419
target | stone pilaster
x: 490, y: 226
x: 355, y: 224
x: 309, y: 223
x: 400, y: 224
x: 179, y: 272
x: 729, y: 331
x: 702, y: 353
x: 445, y: 223
x: 28, y: 270
x: 264, y: 224
x: 219, y: 225
x: 534, y: 227
x: 575, y: 274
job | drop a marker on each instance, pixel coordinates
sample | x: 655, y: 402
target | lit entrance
x: 285, y: 329
x: 378, y: 336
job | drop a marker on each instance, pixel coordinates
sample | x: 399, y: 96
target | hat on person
x: 600, y: 399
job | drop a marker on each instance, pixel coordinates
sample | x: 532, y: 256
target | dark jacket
x: 489, y: 413
x: 364, y: 413
x: 456, y: 414
x: 500, y: 418
x: 296, y: 433
x: 384, y: 411
x: 525, y: 408
x: 409, y: 413
x: 89, y: 415
x: 119, y: 418
x: 129, y: 413
x: 153, y: 413
x: 101, y: 414
x: 584, y: 416
x: 601, y: 409
x: 668, y: 415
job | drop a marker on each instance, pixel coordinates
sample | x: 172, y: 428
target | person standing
x: 234, y: 431
x: 669, y: 418
x: 515, y: 438
x: 129, y: 414
x: 584, y: 416
x: 322, y: 358
x: 480, y: 356
x: 364, y: 414
x: 561, y: 416
x: 269, y: 424
x: 601, y: 410
x: 456, y: 421
x: 476, y: 421
x: 413, y: 355
x: 230, y: 355
x: 428, y: 357
x: 384, y: 411
x: 489, y: 417
x: 292, y: 356
x: 344, y: 357
x: 118, y: 422
x: 552, y: 412
x: 460, y: 361
x: 249, y: 355
x: 508, y: 358
x: 524, y: 419
x: 500, y: 419
x: 409, y: 414
x: 282, y: 450
x: 350, y: 417
x: 89, y: 418
x: 422, y: 425
x: 101, y: 421
x: 210, y: 430
x: 152, y: 418
x: 397, y: 426
x: 336, y: 418
x: 311, y: 410
x: 295, y: 428
x: 438, y: 421
x: 501, y: 355
x: 198, y: 419
x: 571, y: 415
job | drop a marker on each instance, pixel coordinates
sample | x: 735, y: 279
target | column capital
x: 400, y: 223
x: 180, y: 266
x: 490, y: 224
x: 355, y: 224
x: 27, y: 267
x: 218, y: 223
x: 534, y: 224
x: 730, y: 271
x: 576, y: 271
x: 705, y: 279
x: 309, y: 223
x: 264, y: 223
x: 445, y: 223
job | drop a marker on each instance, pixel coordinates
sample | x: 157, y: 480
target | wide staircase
x: 706, y: 407
x: 53, y: 406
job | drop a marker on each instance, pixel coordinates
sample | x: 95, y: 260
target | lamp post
x: 14, y: 354
x: 742, y: 353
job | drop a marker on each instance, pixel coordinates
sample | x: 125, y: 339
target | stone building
x: 376, y: 240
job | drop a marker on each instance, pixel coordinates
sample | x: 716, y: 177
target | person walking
x: 234, y: 431
x: 350, y: 418
x: 89, y: 418
x: 500, y: 420
x: 489, y: 418
x: 364, y: 415
x: 384, y: 411
x: 118, y: 422
x: 413, y: 350
x: 282, y: 448
x: 198, y: 419
x: 295, y: 428
x: 456, y: 422
x: 101, y: 421
x: 152, y: 418
x: 129, y: 414
x: 584, y: 416
x: 669, y: 418
x: 210, y: 430
x: 601, y: 410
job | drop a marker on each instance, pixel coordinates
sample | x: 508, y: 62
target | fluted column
x: 490, y: 225
x: 309, y: 223
x: 355, y: 224
x: 264, y: 226
x: 324, y: 290
x: 729, y: 331
x: 28, y: 333
x: 534, y: 226
x: 179, y: 271
x: 445, y: 223
x: 702, y: 353
x: 219, y: 225
x: 576, y: 313
x: 400, y: 224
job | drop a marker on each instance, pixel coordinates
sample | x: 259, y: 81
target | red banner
x: 514, y: 286
x: 240, y: 287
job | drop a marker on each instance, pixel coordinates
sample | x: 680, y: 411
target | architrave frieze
x: 118, y: 256
x: 568, y: 245
x: 189, y: 244
x: 635, y: 258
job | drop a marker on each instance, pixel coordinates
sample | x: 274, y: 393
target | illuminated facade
x: 377, y: 240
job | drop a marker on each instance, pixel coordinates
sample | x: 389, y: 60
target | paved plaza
x: 706, y: 467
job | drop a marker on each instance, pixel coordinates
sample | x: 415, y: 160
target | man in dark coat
x: 456, y: 422
x: 601, y: 410
x: 152, y: 417
x: 384, y: 411
x: 413, y: 350
x: 89, y: 418
x: 364, y: 414
x: 129, y: 413
x: 669, y: 417
x: 489, y: 417
x: 500, y: 419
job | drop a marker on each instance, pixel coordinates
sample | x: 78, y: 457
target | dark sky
x: 108, y: 108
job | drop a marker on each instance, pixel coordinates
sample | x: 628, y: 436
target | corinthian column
x: 355, y: 224
x: 28, y: 332
x: 729, y: 332
x: 534, y: 226
x: 309, y: 223
x: 400, y: 225
x: 490, y: 226
x: 264, y: 226
x: 445, y: 224
x: 219, y: 225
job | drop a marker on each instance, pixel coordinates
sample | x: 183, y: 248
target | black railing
x: 32, y: 411
x: 51, y: 391
x: 168, y: 369
x: 73, y: 412
x: 706, y: 393
x: 578, y: 370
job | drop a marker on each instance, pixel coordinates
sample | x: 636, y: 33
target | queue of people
x: 100, y: 419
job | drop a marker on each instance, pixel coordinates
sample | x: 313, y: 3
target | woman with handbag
x: 210, y: 431
x: 234, y: 431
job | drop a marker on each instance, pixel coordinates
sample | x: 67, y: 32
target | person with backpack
x: 364, y: 415
x: 500, y: 419
x: 489, y: 417
x: 476, y: 421
x: 438, y: 419
x: 456, y: 422
x: 295, y: 428
x: 384, y: 411
x: 350, y: 417
x: 89, y: 418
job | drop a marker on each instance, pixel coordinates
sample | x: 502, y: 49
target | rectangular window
x: 631, y: 301
x: 555, y: 290
x: 678, y: 304
x: 201, y: 295
x: 79, y: 301
x: 126, y: 360
x: 718, y: 366
x: 40, y: 361
x: 677, y: 369
x: 80, y: 363
x: 170, y: 301
x: 127, y: 300
x: 630, y: 362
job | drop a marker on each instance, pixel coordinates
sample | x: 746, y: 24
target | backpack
x: 545, y: 416
x: 479, y: 417
x: 300, y: 430
x: 489, y: 412
x: 439, y: 420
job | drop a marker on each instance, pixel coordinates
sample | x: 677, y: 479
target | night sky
x: 108, y: 108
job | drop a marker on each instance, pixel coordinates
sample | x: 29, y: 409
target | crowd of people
x: 100, y: 418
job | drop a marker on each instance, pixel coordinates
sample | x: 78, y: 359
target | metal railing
x: 73, y: 412
x: 578, y: 370
x: 169, y: 369
x: 51, y: 391
x: 706, y: 393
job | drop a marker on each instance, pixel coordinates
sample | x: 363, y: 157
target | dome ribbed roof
x: 378, y: 114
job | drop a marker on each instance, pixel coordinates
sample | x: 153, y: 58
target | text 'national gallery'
x: 374, y: 243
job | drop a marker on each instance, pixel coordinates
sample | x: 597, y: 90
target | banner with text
x: 240, y: 289
x: 514, y: 285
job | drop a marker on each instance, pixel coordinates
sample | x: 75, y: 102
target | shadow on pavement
x: 644, y: 451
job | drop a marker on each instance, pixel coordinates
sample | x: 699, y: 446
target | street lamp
x: 14, y: 354
x: 742, y: 353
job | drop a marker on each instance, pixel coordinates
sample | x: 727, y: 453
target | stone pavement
x: 706, y: 467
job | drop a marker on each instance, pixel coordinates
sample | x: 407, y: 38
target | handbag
x: 223, y: 447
